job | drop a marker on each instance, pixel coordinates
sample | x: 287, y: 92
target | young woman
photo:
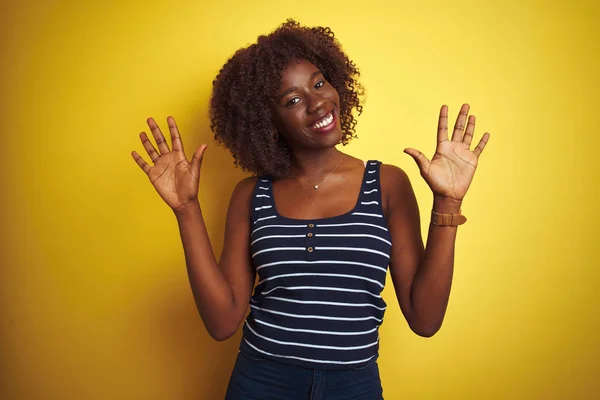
x: 319, y: 227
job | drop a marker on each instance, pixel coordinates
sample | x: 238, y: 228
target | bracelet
x: 447, y: 219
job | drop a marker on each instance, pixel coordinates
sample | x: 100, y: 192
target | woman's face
x: 306, y: 109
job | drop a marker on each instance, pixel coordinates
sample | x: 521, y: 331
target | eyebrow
x: 291, y: 89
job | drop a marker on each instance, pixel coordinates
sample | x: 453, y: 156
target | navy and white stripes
x: 318, y: 300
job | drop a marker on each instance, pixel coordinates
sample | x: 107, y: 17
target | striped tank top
x: 318, y: 301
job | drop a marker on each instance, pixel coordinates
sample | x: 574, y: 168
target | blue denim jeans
x: 263, y: 379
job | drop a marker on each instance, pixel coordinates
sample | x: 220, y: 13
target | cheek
x: 283, y: 119
x: 334, y: 97
x: 332, y: 91
x: 337, y: 95
x: 292, y: 119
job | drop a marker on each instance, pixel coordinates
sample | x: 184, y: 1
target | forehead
x: 296, y: 72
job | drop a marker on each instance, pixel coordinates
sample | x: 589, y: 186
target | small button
x: 310, y: 249
x: 311, y: 225
x: 310, y: 234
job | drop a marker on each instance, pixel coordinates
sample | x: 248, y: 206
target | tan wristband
x: 447, y: 219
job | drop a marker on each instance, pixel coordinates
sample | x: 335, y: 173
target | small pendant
x: 316, y: 187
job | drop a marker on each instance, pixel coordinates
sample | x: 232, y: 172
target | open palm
x: 175, y: 179
x: 452, y: 167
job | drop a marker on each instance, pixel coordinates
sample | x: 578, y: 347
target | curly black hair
x: 245, y: 87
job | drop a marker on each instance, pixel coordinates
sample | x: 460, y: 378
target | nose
x: 315, y: 104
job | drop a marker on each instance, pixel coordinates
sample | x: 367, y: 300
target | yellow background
x: 95, y: 302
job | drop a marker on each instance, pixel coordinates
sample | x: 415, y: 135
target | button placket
x: 309, y: 242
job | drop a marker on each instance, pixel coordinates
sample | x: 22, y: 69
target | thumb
x: 197, y: 158
x: 419, y: 158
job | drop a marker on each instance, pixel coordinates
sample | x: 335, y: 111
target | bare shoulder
x: 393, y: 177
x: 246, y: 186
x: 242, y: 193
x: 395, y: 187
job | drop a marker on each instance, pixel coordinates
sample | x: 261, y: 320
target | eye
x: 292, y: 101
x: 319, y: 84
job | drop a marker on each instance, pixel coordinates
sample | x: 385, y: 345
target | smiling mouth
x: 324, y: 122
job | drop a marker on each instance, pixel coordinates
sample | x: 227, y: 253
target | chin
x: 326, y: 141
x: 338, y: 138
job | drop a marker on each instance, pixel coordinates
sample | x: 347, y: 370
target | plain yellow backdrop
x: 95, y: 302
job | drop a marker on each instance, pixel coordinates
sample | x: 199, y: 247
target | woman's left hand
x: 450, y: 171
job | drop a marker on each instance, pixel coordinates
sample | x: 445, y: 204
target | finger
x: 482, y: 143
x: 419, y: 158
x: 154, y: 156
x: 158, y: 136
x: 459, y: 126
x: 175, y: 137
x: 197, y: 158
x: 470, y: 130
x: 443, y: 124
x: 140, y: 161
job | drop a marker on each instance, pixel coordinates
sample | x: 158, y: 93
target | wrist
x: 186, y: 209
x: 442, y: 204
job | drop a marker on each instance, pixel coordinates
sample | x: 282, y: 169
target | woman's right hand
x: 175, y: 179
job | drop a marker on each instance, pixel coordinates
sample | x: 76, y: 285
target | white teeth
x: 324, y: 122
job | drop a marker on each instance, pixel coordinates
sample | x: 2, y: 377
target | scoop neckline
x: 362, y: 184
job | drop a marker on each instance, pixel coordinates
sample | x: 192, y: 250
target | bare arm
x: 422, y: 277
x: 221, y: 290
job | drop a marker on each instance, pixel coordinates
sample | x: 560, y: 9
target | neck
x: 314, y: 164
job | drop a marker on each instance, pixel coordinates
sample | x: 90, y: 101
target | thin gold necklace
x: 327, y: 176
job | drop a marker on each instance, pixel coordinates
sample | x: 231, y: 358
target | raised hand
x: 450, y: 172
x: 175, y: 179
